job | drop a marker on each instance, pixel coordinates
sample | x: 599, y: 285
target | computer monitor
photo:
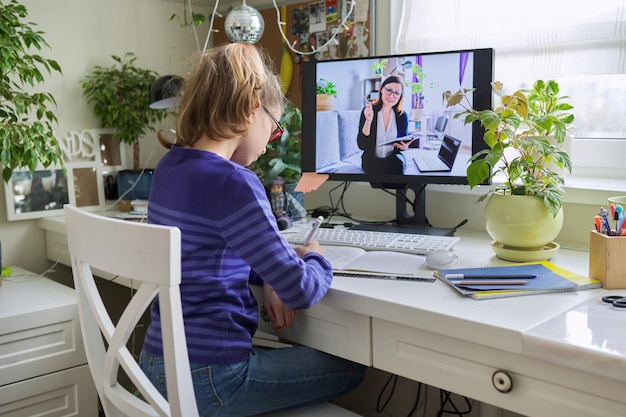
x: 331, y: 143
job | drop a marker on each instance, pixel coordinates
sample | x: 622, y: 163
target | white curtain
x: 531, y: 38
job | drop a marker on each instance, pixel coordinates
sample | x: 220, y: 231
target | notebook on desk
x: 353, y: 262
x: 444, y: 160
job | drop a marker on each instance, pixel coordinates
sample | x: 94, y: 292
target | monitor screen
x: 389, y: 124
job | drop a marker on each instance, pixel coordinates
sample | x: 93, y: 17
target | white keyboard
x: 370, y: 240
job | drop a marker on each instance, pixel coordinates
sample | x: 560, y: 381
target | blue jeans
x: 271, y: 379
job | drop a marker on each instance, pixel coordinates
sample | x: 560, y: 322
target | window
x: 580, y: 44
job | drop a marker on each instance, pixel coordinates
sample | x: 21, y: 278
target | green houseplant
x: 120, y: 95
x: 283, y: 157
x: 379, y: 66
x: 523, y: 122
x: 326, y: 87
x: 26, y: 118
x: 524, y: 136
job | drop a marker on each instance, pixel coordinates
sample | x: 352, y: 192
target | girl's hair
x: 378, y: 103
x: 225, y: 85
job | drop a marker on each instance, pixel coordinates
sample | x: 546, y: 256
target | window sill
x: 578, y: 189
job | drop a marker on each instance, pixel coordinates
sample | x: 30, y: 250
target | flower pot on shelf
x: 522, y: 227
x: 325, y: 102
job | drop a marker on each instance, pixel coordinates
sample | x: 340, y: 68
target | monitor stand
x: 405, y: 222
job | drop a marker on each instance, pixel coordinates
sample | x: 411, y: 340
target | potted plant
x: 379, y: 66
x: 524, y: 137
x: 283, y: 157
x: 26, y: 118
x: 417, y: 87
x: 326, y: 94
x: 120, y: 95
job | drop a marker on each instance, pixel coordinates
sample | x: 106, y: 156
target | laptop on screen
x: 444, y: 160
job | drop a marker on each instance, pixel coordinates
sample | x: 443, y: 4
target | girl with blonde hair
x: 229, y: 110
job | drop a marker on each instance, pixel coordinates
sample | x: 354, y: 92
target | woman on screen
x: 382, y: 121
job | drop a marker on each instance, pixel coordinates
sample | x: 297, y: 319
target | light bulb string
x: 332, y: 39
x: 208, y: 36
x: 281, y: 24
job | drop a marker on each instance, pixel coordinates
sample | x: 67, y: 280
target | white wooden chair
x: 150, y: 255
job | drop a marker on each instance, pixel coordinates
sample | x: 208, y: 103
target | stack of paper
x: 514, y: 280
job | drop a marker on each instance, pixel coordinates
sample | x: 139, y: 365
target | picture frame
x: 89, y: 156
x: 42, y: 193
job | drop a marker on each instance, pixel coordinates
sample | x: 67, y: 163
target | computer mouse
x: 440, y: 259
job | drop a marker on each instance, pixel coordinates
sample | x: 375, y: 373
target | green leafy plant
x: 534, y: 124
x: 379, y: 66
x: 326, y: 87
x: 284, y: 156
x: 416, y: 87
x: 120, y: 95
x: 26, y: 118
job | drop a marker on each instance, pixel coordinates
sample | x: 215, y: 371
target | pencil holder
x: 607, y: 260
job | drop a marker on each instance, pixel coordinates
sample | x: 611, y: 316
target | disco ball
x: 244, y: 24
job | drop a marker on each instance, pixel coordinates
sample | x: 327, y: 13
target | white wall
x: 82, y: 34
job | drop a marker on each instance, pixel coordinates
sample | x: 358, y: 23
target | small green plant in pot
x: 379, y: 66
x: 524, y: 136
x: 120, y: 95
x: 326, y: 93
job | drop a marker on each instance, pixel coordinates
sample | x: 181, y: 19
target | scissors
x: 617, y: 301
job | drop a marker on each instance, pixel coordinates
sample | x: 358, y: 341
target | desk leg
x: 488, y: 410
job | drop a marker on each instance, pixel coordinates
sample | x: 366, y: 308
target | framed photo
x: 89, y: 155
x: 30, y: 195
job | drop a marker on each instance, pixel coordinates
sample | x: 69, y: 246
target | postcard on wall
x: 361, y: 11
x: 317, y: 16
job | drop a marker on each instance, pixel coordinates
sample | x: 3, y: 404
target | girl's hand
x: 313, y: 246
x: 280, y: 315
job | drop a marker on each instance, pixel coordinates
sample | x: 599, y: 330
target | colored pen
x: 465, y: 282
x: 316, y: 226
x: 481, y: 277
x: 598, y: 223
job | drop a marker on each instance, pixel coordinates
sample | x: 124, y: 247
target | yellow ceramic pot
x: 521, y: 222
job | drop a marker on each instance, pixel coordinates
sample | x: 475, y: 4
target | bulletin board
x: 309, y: 25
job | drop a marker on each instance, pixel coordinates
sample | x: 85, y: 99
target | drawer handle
x: 502, y: 381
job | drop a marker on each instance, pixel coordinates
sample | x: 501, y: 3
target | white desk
x: 564, y: 352
x: 43, y: 366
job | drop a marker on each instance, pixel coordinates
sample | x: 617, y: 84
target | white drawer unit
x: 527, y: 386
x: 43, y: 368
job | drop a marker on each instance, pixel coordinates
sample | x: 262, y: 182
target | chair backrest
x: 150, y: 256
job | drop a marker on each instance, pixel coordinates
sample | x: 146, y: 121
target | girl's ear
x: 255, y: 109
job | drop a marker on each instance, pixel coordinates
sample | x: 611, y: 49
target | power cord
x: 380, y: 407
x: 445, y: 398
